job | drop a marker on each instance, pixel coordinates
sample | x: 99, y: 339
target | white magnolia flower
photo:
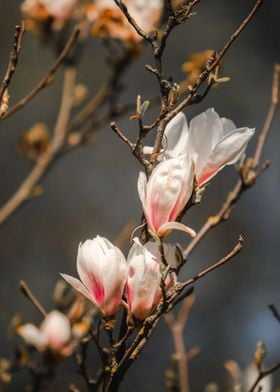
x: 54, y: 333
x: 102, y: 269
x: 212, y: 142
x: 165, y: 195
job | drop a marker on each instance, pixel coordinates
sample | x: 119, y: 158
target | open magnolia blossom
x: 143, y: 279
x: 165, y: 195
x: 109, y: 20
x: 212, y: 142
x: 102, y: 269
x: 54, y: 333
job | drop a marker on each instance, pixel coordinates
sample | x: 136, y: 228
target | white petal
x: 228, y: 151
x: 206, y: 130
x: 114, y: 278
x: 142, y: 188
x: 228, y: 125
x: 89, y: 265
x: 77, y: 285
x: 186, y: 187
x: 33, y: 336
x: 163, y: 190
x: 167, y: 227
x: 177, y: 133
x: 57, y: 329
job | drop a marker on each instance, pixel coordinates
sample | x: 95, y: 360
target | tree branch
x: 48, y: 78
x: 46, y: 159
x: 20, y: 30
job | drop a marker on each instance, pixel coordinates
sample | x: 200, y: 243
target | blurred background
x: 92, y: 190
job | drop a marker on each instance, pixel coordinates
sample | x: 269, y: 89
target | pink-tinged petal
x: 228, y: 151
x: 163, y: 190
x: 89, y: 266
x: 114, y: 279
x: 33, y: 336
x: 57, y: 329
x: 77, y: 285
x: 186, y: 187
x: 169, y: 226
x: 177, y: 134
x: 206, y: 130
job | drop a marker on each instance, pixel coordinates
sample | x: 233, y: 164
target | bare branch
x: 46, y: 159
x: 218, y: 264
x: 20, y: 30
x: 31, y: 297
x: 131, y: 20
x: 48, y: 78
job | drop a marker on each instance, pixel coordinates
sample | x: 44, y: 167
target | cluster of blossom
x: 192, y: 156
x: 106, y: 18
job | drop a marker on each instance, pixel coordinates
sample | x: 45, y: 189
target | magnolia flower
x: 102, y: 269
x: 143, y: 280
x: 109, y: 20
x: 166, y: 194
x: 54, y: 333
x: 210, y: 141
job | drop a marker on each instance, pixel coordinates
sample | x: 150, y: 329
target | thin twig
x: 131, y: 20
x: 31, y: 297
x: 20, y: 30
x: 121, y: 135
x: 274, y: 311
x: 45, y: 160
x: 48, y: 78
x: 219, y: 263
x: 263, y: 374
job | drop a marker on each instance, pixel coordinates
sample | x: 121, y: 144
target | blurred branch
x: 176, y: 327
x: 31, y: 297
x: 46, y: 159
x: 249, y: 175
x: 49, y: 77
x: 20, y: 30
x: 124, y: 234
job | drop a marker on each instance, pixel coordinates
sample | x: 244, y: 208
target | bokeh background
x: 93, y: 191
